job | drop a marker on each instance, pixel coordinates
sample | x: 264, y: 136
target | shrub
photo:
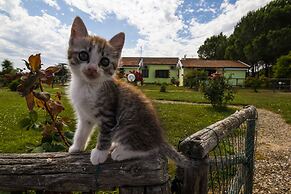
x: 175, y: 82
x: 163, y: 87
x: 13, y: 85
x: 254, y: 83
x: 218, y: 91
x: 195, y: 78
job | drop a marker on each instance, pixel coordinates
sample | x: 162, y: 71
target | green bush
x: 254, y: 83
x: 163, y: 87
x: 195, y: 78
x: 175, y: 82
x: 218, y: 91
x: 13, y: 85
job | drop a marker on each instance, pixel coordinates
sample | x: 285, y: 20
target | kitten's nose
x: 92, y: 69
x: 91, y: 72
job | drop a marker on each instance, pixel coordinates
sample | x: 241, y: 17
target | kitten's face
x: 92, y: 58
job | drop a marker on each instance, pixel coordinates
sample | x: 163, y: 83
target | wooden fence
x: 63, y: 172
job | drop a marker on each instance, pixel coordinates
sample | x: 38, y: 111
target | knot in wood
x: 135, y: 169
x: 49, y: 160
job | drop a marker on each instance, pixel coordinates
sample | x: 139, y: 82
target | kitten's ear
x: 78, y: 29
x: 117, y: 41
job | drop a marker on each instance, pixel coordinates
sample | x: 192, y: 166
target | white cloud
x: 52, y: 3
x: 23, y: 35
x: 156, y: 21
x: 159, y: 26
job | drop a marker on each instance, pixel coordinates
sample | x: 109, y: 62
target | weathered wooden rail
x: 64, y: 172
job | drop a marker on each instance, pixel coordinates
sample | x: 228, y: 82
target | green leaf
x: 47, y: 147
x: 69, y: 134
x: 36, y: 126
x: 25, y: 123
x: 56, y: 137
x: 38, y: 149
x: 33, y: 116
x: 56, y: 147
x: 47, y: 139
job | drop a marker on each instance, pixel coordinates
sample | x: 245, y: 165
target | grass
x: 179, y: 121
x: 12, y: 138
x: 279, y: 102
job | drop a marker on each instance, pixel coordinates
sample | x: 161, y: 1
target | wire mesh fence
x: 230, y: 159
x: 226, y: 152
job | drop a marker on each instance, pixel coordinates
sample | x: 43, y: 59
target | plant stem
x: 53, y: 119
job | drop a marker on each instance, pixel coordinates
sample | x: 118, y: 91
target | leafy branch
x: 32, y: 89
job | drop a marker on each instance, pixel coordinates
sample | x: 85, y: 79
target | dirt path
x: 273, y: 152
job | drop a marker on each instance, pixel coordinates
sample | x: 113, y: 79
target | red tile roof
x: 200, y: 63
x: 133, y: 61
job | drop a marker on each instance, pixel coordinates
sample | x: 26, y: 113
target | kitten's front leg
x: 84, y: 128
x: 100, y: 153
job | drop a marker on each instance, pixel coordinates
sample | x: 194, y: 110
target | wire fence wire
x: 231, y: 161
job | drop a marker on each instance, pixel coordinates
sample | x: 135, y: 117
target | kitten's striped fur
x: 129, y: 126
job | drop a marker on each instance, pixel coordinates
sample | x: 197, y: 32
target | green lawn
x: 179, y: 121
x: 279, y: 102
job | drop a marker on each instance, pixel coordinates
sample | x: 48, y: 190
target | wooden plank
x: 67, y: 172
x: 201, y: 143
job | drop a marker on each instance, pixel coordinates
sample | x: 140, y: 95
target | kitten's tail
x: 181, y: 160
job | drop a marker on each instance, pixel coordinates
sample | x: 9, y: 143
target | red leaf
x: 55, y: 107
x: 44, y: 96
x: 30, y: 101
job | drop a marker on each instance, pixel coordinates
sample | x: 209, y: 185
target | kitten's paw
x: 74, y: 149
x: 120, y: 154
x: 98, y: 156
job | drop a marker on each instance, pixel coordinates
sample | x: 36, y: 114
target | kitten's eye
x: 104, y: 62
x: 83, y: 56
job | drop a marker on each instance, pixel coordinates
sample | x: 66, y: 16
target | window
x: 145, y: 73
x: 162, y: 73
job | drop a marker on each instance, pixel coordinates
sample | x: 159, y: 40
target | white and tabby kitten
x: 128, y: 123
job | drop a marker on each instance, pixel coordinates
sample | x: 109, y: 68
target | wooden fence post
x: 195, y: 179
x: 249, y: 151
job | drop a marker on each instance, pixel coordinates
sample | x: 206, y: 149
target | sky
x: 156, y: 28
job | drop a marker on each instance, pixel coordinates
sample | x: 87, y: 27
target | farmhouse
x: 164, y: 69
x: 236, y: 70
x: 154, y: 69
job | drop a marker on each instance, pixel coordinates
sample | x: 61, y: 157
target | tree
x: 7, y: 66
x: 282, y: 69
x: 261, y: 36
x: 63, y: 75
x: 213, y: 47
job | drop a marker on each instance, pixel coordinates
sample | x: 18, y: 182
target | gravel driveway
x: 273, y: 154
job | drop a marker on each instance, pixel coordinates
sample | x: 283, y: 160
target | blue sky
x: 161, y: 28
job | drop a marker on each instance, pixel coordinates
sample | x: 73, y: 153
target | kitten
x: 128, y: 123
